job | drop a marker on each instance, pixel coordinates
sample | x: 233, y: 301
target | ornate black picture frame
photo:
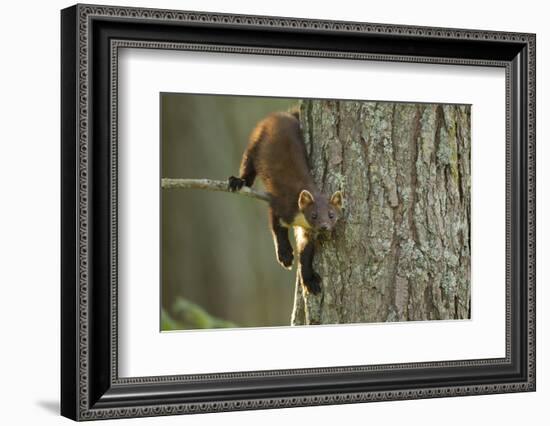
x: 91, y: 36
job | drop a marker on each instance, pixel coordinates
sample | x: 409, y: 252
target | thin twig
x: 211, y: 185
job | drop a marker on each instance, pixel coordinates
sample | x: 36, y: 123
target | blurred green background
x: 218, y: 265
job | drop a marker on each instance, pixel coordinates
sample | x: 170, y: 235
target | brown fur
x: 279, y: 158
x: 276, y: 153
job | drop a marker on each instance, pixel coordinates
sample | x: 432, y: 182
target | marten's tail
x: 295, y: 112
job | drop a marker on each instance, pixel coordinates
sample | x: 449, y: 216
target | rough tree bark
x: 402, y: 249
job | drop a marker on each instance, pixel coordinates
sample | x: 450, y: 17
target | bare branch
x: 211, y: 185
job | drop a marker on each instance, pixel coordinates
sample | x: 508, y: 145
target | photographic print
x: 261, y: 183
x: 280, y: 212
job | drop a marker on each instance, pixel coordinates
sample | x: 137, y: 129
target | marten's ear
x: 305, y: 199
x: 337, y: 199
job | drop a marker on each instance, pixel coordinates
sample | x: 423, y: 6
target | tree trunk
x: 401, y: 251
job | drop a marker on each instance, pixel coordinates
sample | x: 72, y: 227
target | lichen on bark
x: 402, y: 248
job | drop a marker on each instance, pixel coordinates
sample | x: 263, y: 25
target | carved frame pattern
x: 86, y: 409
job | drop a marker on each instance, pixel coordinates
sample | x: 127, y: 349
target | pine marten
x: 277, y: 154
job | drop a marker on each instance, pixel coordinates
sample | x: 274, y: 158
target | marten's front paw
x: 285, y: 258
x: 235, y: 183
x: 312, y: 283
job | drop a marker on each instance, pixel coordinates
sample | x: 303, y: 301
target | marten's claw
x: 285, y: 258
x: 234, y: 183
x: 312, y: 284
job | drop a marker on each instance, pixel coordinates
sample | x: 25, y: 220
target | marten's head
x: 320, y: 212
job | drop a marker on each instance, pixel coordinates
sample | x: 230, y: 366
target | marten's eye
x: 314, y: 215
x: 331, y: 215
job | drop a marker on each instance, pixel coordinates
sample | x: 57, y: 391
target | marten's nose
x: 324, y: 227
